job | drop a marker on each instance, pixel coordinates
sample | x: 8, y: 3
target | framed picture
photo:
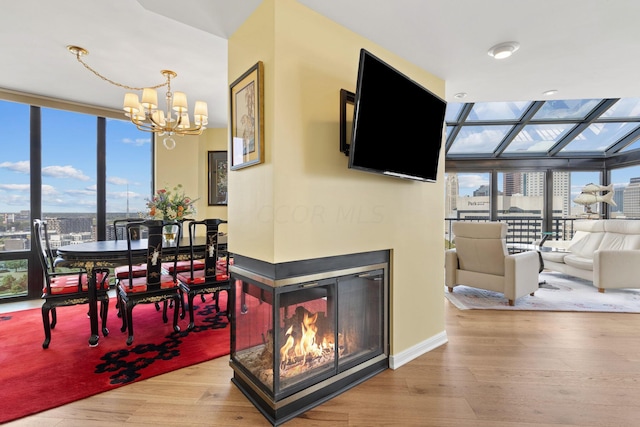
x: 247, y: 121
x: 217, y: 178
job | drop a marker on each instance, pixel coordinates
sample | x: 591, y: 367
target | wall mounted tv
x: 397, y: 123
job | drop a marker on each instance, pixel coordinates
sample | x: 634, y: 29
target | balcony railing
x: 521, y: 229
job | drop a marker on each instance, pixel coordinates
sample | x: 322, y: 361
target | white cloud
x: 124, y: 194
x: 472, y: 181
x: 20, y: 167
x: 117, y: 180
x: 137, y: 142
x: 85, y: 192
x: 64, y: 172
x: 15, y: 187
x: 48, y: 190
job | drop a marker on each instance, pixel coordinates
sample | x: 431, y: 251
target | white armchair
x: 481, y: 260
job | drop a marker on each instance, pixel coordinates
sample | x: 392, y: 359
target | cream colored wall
x: 187, y: 164
x: 304, y: 202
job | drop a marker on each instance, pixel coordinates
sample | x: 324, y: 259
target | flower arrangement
x: 168, y: 205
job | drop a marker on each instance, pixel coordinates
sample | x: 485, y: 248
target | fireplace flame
x: 307, y: 346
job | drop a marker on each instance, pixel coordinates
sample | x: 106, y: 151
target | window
x: 68, y: 168
x: 15, y: 200
x: 626, y: 189
x: 128, y: 180
x: 467, y: 195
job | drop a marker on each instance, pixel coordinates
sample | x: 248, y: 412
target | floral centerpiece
x: 171, y: 205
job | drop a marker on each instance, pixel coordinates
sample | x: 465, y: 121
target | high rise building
x: 618, y: 197
x: 631, y: 199
x: 512, y: 183
x: 451, y: 193
x: 483, y: 190
x: 534, y: 186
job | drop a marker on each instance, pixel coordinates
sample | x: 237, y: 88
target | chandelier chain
x: 111, y: 81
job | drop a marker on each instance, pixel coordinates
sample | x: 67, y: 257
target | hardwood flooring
x: 499, y: 369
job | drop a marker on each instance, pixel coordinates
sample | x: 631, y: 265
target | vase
x: 169, y: 233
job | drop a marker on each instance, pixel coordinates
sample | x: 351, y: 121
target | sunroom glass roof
x: 557, y: 128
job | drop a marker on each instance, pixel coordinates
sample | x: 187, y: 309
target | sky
x: 69, y: 162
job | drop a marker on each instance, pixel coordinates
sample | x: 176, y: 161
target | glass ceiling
x: 590, y: 128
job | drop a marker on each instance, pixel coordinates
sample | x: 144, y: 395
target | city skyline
x: 69, y: 165
x: 470, y: 182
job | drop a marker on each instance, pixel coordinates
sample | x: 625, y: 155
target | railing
x: 522, y: 229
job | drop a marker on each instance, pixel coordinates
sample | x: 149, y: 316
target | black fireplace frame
x: 281, y: 408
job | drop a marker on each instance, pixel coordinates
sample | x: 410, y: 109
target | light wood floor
x: 499, y: 369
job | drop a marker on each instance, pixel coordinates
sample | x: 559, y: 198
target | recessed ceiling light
x: 550, y: 92
x: 504, y: 50
x: 460, y: 95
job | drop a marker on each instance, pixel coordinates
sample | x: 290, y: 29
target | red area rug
x: 33, y: 379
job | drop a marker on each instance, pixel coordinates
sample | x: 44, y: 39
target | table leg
x: 93, y: 305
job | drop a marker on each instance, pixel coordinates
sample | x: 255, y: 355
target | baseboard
x: 397, y: 360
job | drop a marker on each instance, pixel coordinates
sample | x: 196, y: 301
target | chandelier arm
x: 111, y: 81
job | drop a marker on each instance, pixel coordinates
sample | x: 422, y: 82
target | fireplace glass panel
x: 300, y: 339
x: 360, y: 319
x: 252, y: 330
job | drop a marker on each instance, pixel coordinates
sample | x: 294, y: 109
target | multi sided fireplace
x: 317, y: 330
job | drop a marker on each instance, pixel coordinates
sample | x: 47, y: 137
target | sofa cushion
x: 579, y: 262
x: 554, y: 256
x: 622, y: 226
x: 620, y: 241
x: 586, y: 246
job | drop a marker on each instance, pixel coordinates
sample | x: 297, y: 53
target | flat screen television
x: 397, y: 123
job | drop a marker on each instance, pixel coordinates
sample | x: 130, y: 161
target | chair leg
x: 192, y: 323
x: 122, y: 313
x: 165, y: 319
x: 130, y: 322
x: 511, y: 302
x: 183, y: 309
x: 54, y: 316
x: 104, y: 311
x: 47, y: 325
x: 176, y: 309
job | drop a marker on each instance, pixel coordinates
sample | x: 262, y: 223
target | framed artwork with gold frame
x: 247, y: 118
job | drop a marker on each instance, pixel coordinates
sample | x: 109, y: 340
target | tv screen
x: 397, y: 123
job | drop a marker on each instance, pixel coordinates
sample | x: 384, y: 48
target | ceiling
x: 582, y: 48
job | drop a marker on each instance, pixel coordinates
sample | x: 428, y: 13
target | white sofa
x: 606, y: 252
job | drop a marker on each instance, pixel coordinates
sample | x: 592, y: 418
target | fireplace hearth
x: 306, y: 331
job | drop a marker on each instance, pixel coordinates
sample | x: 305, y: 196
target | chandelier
x: 145, y: 114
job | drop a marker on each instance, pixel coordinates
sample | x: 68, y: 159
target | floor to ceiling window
x: 89, y: 173
x: 69, y: 176
x: 626, y: 189
x: 129, y: 172
x: 14, y: 200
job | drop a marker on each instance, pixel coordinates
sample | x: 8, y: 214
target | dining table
x: 114, y: 253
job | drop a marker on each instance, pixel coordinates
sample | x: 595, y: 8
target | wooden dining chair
x: 120, y: 233
x: 184, y: 265
x: 157, y: 285
x: 65, y: 286
x: 214, y: 278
